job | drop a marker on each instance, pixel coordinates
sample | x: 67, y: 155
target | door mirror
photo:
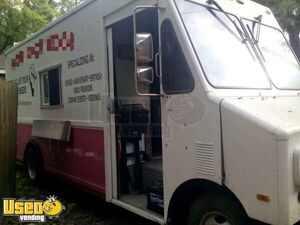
x: 145, y: 75
x: 144, y: 47
x: 143, y: 55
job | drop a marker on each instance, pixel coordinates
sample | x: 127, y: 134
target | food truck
x: 182, y: 111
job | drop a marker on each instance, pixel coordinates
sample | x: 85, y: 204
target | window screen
x: 176, y: 74
x: 50, y: 87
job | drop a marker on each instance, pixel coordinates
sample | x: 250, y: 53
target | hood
x: 280, y: 115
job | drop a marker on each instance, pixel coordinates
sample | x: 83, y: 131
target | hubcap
x: 215, y: 218
x: 31, y: 169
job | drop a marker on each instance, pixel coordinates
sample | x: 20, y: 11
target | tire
x: 34, y: 164
x: 213, y: 209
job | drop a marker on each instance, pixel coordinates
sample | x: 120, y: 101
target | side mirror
x: 145, y: 75
x: 144, y: 47
x: 143, y: 55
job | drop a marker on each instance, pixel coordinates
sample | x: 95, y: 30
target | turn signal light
x: 264, y: 198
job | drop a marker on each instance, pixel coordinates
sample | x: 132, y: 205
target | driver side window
x: 177, y: 77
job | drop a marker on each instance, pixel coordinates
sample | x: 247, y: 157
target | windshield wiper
x: 258, y: 19
x: 242, y: 37
x: 255, y: 38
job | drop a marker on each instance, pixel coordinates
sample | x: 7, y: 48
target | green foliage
x: 66, y: 5
x: 21, y: 18
x: 47, y: 8
x: 17, y: 21
x: 287, y: 11
x: 288, y: 14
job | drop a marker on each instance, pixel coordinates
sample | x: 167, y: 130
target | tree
x: 47, y: 8
x: 66, y: 5
x: 21, y: 18
x: 288, y: 15
x: 18, y: 19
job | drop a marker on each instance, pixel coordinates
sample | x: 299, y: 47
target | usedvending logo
x: 33, y: 210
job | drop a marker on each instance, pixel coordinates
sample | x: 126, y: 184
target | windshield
x: 226, y: 61
x: 233, y: 56
x: 281, y: 63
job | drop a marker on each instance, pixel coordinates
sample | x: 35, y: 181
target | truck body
x: 153, y: 104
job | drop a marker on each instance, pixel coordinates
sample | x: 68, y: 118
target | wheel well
x: 186, y: 193
x: 33, y: 144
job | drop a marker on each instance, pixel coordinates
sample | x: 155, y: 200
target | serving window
x: 50, y: 81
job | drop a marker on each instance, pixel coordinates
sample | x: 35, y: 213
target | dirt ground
x: 81, y: 208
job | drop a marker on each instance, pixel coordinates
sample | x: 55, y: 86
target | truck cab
x: 229, y: 100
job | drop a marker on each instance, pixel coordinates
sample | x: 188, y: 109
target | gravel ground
x: 81, y: 208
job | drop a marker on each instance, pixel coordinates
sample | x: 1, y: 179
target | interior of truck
x: 138, y: 118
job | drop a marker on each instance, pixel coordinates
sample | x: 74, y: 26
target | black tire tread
x: 38, y: 158
x: 217, y: 203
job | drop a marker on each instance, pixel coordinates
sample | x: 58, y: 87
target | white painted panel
x: 83, y: 77
x: 250, y: 159
x: 289, y: 208
x: 111, y: 6
x: 126, y: 11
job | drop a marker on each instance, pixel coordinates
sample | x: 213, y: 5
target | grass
x: 81, y: 207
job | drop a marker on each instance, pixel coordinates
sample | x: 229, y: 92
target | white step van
x: 186, y: 112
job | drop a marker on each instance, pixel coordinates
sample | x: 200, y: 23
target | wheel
x: 216, y: 210
x: 33, y: 164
